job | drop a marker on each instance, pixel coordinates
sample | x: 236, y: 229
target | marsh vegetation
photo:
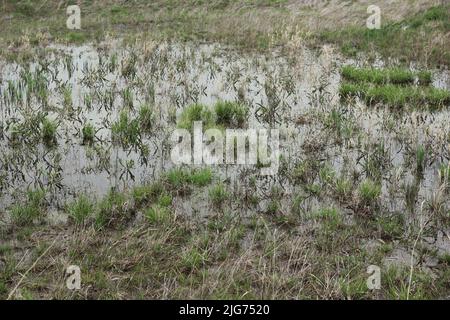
x: 87, y: 179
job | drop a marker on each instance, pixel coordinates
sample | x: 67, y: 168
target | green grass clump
x: 49, y: 131
x: 111, y: 210
x: 80, y: 209
x: 146, y: 118
x: 369, y: 192
x: 196, y: 112
x: 147, y: 193
x: 230, y: 114
x: 33, y: 208
x: 126, y: 130
x: 165, y: 200
x: 194, y: 258
x: 348, y: 90
x: 343, y: 187
x: 397, y: 96
x: 218, y: 194
x: 444, y: 173
x: 391, y: 226
x: 157, y: 214
x: 88, y: 133
x: 420, y: 159
x: 224, y: 114
x: 201, y: 177
x: 385, y: 76
x: 76, y: 37
x: 331, y: 214
x: 179, y: 178
x: 424, y: 77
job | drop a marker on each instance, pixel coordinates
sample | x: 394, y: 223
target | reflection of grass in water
x: 163, y: 244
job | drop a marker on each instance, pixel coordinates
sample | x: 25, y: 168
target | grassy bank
x: 421, y: 34
x: 132, y: 245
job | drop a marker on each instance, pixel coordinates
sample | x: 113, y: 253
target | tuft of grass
x: 231, y: 114
x: 273, y: 207
x: 201, y: 177
x: 420, y: 159
x: 330, y: 217
x: 112, y: 210
x: 76, y: 37
x: 369, y: 192
x: 48, y: 131
x: 224, y: 114
x: 179, y: 179
x: 355, y: 288
x: 88, y: 133
x: 385, y: 76
x: 397, y: 96
x: 343, y: 188
x: 218, y: 195
x: 391, y: 226
x: 33, y: 208
x: 196, y: 112
x: 444, y: 173
x: 80, y: 209
x: 194, y: 258
x: 147, y: 193
x: 165, y: 200
x: 126, y: 130
x: 157, y: 214
x: 146, y: 118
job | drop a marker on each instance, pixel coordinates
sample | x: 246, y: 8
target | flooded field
x: 68, y: 90
x: 329, y: 122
